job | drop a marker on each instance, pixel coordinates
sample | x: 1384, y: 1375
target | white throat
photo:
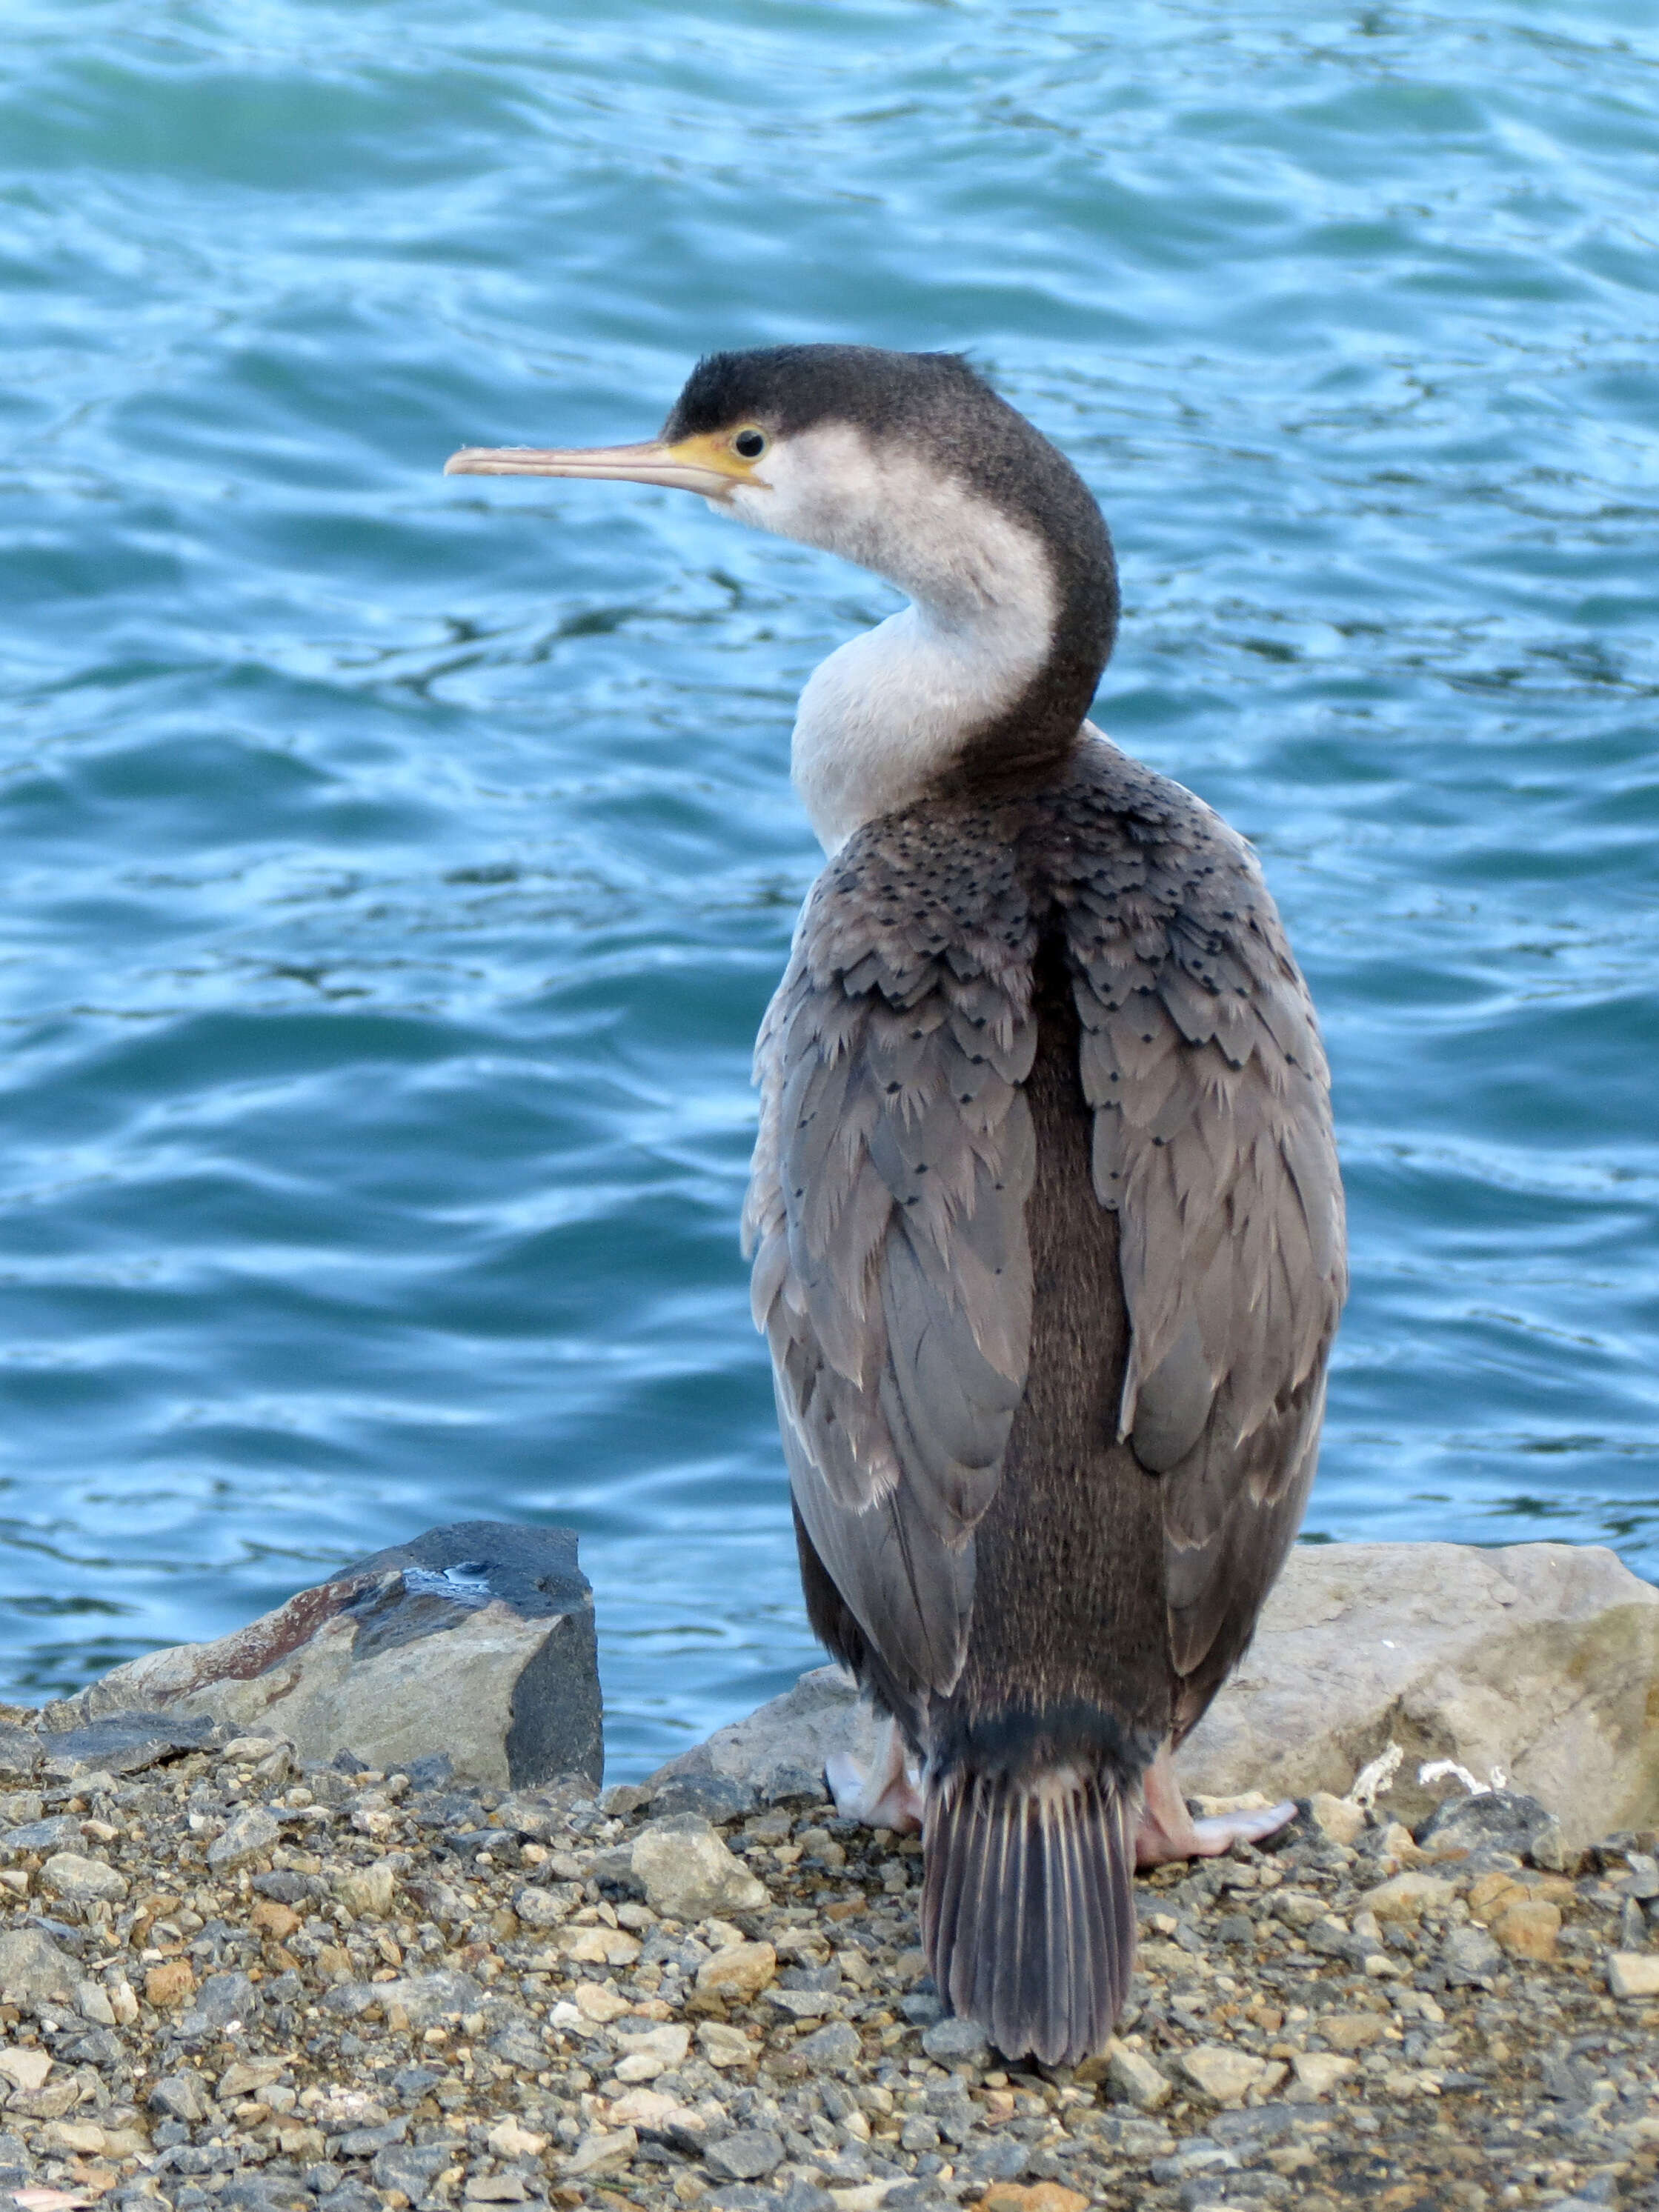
x: 888, y: 712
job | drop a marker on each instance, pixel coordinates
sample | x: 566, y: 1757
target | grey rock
x: 179, y: 2097
x: 1497, y: 1820
x: 519, y: 2045
x: 1471, y: 1958
x: 351, y: 2000
x: 20, y: 1753
x: 98, y: 2048
x: 33, y: 1972
x: 922, y: 2007
x: 121, y: 1742
x: 957, y: 2042
x: 252, y: 1831
x: 715, y: 1796
x: 59, y: 1833
x: 72, y: 1874
x: 412, y: 2167
x: 830, y: 2049
x: 778, y: 1742
x: 429, y: 1998
x: 262, y: 2193
x: 687, y: 1873
x: 366, y: 2143
x: 1005, y: 2161
x: 1441, y: 1648
x: 801, y: 2004
x: 746, y: 2155
x: 474, y: 1644
x: 1132, y: 2079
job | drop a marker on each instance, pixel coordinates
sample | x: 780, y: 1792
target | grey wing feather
x: 886, y: 1221
x: 1201, y: 1059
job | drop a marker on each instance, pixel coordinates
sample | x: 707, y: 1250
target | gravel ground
x: 227, y: 1982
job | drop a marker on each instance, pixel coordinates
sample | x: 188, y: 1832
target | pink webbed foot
x: 886, y: 1797
x: 1168, y: 1830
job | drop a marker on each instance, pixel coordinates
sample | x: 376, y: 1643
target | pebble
x: 413, y: 1996
x: 688, y: 1872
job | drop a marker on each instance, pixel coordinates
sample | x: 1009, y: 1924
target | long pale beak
x: 700, y: 464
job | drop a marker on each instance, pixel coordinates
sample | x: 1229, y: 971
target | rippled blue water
x: 396, y: 869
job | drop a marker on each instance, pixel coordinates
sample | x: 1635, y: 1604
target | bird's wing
x: 886, y: 1221
x: 1201, y: 1059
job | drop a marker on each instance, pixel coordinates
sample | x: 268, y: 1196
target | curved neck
x: 981, y: 684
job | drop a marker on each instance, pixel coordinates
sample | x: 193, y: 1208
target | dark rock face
x: 469, y: 1651
x: 556, y: 1716
x: 1497, y: 1820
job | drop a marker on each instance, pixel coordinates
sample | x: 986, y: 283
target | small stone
x: 254, y: 1830
x: 366, y: 1892
x: 1321, y: 2071
x: 596, y: 2001
x: 1408, y: 1897
x: 35, y: 1972
x: 1352, y: 2030
x: 1335, y: 1818
x: 598, y: 1946
x: 831, y: 2048
x: 688, y: 1872
x: 543, y: 1908
x: 1496, y: 1820
x: 179, y: 2097
x: 1529, y: 1928
x: 509, y: 2140
x: 92, y: 2002
x: 25, y: 2068
x: 67, y: 1873
x: 1471, y: 1957
x: 169, y: 1983
x: 654, y: 2111
x: 1038, y: 2196
x: 84, y: 2137
x: 599, y: 2150
x: 954, y: 2042
x: 1132, y: 2079
x: 656, y: 2051
x: 802, y: 2004
x: 724, y: 2046
x: 738, y: 1973
x: 1633, y: 1973
x: 269, y: 1918
x: 1223, y: 2074
x: 747, y: 2154
x: 249, y: 1750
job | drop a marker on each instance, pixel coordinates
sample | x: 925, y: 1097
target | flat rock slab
x: 1536, y: 1659
x: 476, y: 1641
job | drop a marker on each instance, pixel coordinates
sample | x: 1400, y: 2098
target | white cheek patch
x: 890, y: 710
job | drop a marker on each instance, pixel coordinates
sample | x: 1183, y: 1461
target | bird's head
x: 907, y: 463
x: 910, y: 464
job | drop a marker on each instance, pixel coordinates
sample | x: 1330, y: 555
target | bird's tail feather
x: 1028, y: 1905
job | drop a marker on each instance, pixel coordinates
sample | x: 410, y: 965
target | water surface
x: 396, y: 868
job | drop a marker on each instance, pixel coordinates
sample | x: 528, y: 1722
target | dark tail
x: 1028, y: 1906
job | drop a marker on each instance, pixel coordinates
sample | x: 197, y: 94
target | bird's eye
x: 749, y: 445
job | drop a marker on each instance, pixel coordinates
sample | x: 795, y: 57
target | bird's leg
x: 1168, y: 1830
x: 886, y: 1797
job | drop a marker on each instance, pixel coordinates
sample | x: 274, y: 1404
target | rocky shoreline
x: 333, y: 1914
x: 231, y: 1980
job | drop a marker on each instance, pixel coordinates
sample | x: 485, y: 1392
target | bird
x: 1045, y: 1217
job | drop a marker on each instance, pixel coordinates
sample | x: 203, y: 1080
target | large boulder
x: 1539, y: 1660
x: 475, y: 1641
